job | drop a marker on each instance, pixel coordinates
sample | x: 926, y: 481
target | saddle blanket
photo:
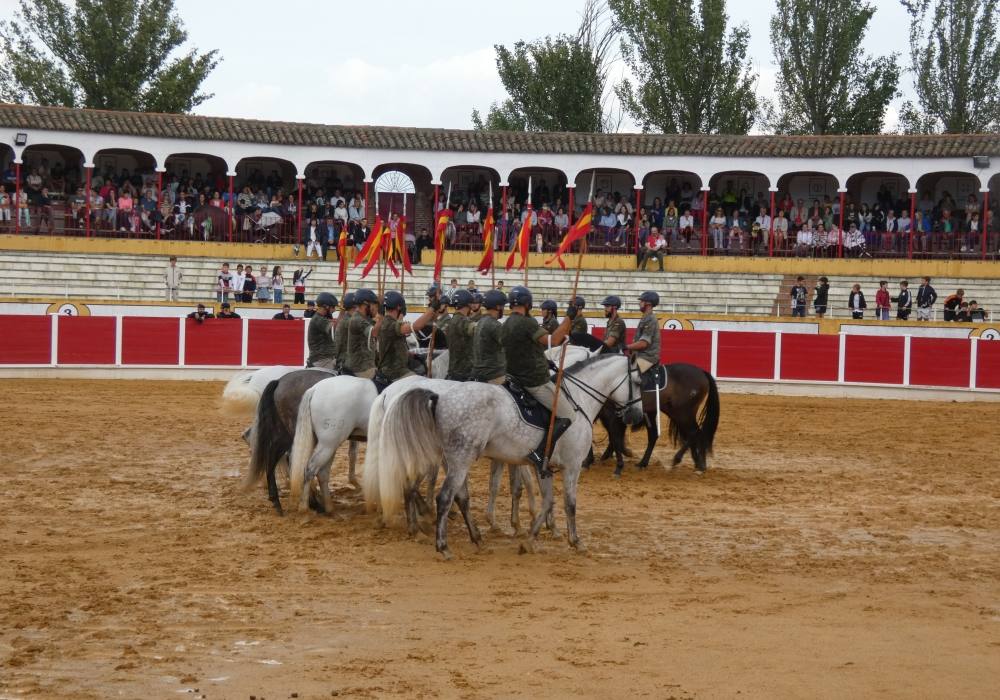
x: 532, y: 412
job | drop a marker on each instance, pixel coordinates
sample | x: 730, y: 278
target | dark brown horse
x: 688, y: 389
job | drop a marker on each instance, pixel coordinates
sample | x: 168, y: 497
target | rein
x: 601, y: 398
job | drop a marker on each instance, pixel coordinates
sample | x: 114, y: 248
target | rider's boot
x: 537, y: 455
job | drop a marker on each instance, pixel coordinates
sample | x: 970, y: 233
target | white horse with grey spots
x: 419, y: 426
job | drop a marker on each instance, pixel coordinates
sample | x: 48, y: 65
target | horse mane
x: 583, y: 364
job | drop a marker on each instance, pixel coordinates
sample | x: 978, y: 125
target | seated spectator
x: 200, y: 314
x: 654, y: 249
x: 310, y: 309
x: 976, y: 314
x: 685, y: 226
x: 856, y: 302
x: 717, y: 226
x: 963, y: 312
x: 285, y: 314
x: 952, y: 305
x: 227, y: 311
x: 561, y: 220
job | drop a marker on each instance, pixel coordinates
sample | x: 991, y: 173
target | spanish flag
x: 366, y: 249
x: 404, y: 254
x: 388, y: 242
x: 523, y: 243
x: 342, y: 254
x: 375, y: 247
x: 440, y: 235
x: 486, y: 264
x: 577, y: 231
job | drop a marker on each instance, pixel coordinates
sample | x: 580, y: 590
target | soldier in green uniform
x: 614, y: 330
x: 646, y: 345
x: 322, y: 351
x: 360, y: 359
x: 476, y: 307
x: 341, y: 331
x: 461, y: 330
x: 488, y: 361
x: 391, y: 331
x: 550, y: 316
x: 524, y: 342
x: 579, y: 322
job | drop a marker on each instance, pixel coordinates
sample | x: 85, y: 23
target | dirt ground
x: 823, y: 555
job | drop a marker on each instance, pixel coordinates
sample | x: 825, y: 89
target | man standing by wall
x: 926, y: 296
x: 172, y: 279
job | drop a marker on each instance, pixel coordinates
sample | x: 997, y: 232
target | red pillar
x: 984, y: 224
x: 86, y: 205
x: 704, y: 222
x: 913, y: 224
x: 635, y: 227
x: 572, y: 204
x: 840, y: 228
x: 298, y: 213
x: 366, y: 199
x: 770, y: 237
x: 17, y: 198
x: 503, y: 203
x: 232, y: 210
x: 159, y: 189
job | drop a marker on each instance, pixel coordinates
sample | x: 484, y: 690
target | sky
x: 402, y: 63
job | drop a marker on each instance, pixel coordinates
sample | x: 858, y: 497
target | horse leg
x: 687, y: 428
x: 323, y: 475
x: 453, y: 480
x: 651, y: 435
x: 462, y: 497
x: 571, y: 477
x: 545, y: 514
x: 496, y: 471
x: 321, y: 457
x: 352, y: 456
x: 272, y: 488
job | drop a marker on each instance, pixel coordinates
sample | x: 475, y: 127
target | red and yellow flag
x: 388, y: 243
x: 342, y: 254
x: 375, y: 247
x: 366, y: 249
x: 440, y: 236
x: 486, y: 264
x: 578, y: 230
x: 404, y: 254
x: 523, y: 243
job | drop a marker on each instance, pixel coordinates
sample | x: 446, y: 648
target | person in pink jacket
x: 882, y: 301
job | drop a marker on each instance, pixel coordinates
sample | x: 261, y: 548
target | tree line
x: 691, y: 73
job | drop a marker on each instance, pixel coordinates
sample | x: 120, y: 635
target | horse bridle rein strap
x: 593, y: 393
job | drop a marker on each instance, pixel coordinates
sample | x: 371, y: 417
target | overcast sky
x: 393, y: 62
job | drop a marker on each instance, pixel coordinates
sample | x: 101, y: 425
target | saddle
x: 380, y: 382
x: 654, y: 379
x: 532, y: 412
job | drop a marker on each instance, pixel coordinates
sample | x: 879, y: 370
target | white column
x: 244, y: 342
x: 973, y: 361
x: 54, y: 340
x: 906, y: 359
x: 841, y: 357
x: 715, y: 353
x: 777, y: 356
x: 119, y: 323
x: 181, y: 341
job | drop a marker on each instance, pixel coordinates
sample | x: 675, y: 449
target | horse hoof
x: 641, y: 466
x: 617, y: 475
x: 628, y: 452
x: 526, y: 547
x: 446, y: 555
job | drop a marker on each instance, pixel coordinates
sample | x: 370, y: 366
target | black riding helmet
x: 579, y: 302
x: 326, y: 299
x: 612, y: 300
x: 433, y: 290
x: 462, y: 297
x: 394, y: 300
x: 348, y: 301
x: 494, y: 299
x: 365, y: 296
x: 650, y: 297
x: 549, y: 305
x: 520, y: 296
x: 477, y: 298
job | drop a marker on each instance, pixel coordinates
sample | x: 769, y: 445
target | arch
x: 265, y: 173
x: 6, y: 156
x: 418, y: 206
x: 891, y: 189
x: 678, y: 185
x: 934, y: 190
x: 332, y: 176
x: 116, y: 161
x: 809, y: 186
x: 749, y: 186
x: 472, y: 183
x: 62, y: 166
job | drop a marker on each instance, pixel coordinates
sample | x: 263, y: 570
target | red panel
x: 86, y: 340
x: 150, y: 341
x: 692, y: 347
x: 810, y: 357
x: 275, y: 342
x: 988, y: 364
x: 877, y: 359
x: 215, y: 341
x: 939, y: 361
x: 746, y: 355
x: 25, y: 340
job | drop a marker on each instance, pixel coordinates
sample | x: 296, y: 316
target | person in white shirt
x: 686, y: 226
x: 780, y: 229
x: 654, y: 248
x: 263, y: 285
x: 340, y: 212
x: 238, y: 279
x: 313, y: 243
x: 4, y: 204
x: 355, y: 212
x: 763, y: 222
x: 717, y: 225
x: 172, y: 277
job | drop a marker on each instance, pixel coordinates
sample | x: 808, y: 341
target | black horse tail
x: 265, y: 432
x: 709, y: 419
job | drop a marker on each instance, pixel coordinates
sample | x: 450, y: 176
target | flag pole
x: 562, y: 353
x: 402, y: 245
x: 493, y: 263
x: 527, y: 243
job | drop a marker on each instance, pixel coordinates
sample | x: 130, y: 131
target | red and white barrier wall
x: 135, y: 341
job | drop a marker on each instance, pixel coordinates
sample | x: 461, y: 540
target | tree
x: 955, y: 59
x: 554, y: 85
x: 690, y: 77
x: 103, y: 54
x: 827, y: 85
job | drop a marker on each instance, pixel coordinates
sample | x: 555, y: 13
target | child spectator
x: 798, y: 294
x: 224, y: 283
x: 821, y: 296
x: 263, y: 285
x: 963, y: 312
x: 926, y: 296
x: 976, y: 314
x: 882, y: 301
x: 856, y: 303
x: 172, y: 279
x: 277, y: 285
x: 904, y: 302
x: 952, y: 305
x: 299, y: 282
x: 249, y: 286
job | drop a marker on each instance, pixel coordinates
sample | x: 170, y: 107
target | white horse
x: 242, y: 392
x: 414, y: 429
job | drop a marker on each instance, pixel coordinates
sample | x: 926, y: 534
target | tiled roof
x: 185, y: 127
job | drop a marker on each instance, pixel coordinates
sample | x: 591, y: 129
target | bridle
x: 600, y: 398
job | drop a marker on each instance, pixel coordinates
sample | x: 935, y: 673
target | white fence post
x: 181, y: 341
x: 906, y: 359
x: 119, y: 324
x: 715, y: 353
x: 54, y: 341
x: 973, y: 362
x: 841, y: 357
x: 777, y: 357
x: 244, y: 341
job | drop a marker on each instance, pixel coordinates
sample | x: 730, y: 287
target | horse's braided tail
x: 239, y: 397
x: 370, y: 471
x: 705, y: 436
x: 409, y: 446
x: 302, y: 446
x: 266, y: 425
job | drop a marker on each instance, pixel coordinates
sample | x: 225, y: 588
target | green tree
x: 103, y: 54
x: 555, y: 84
x: 955, y: 59
x: 690, y: 76
x: 826, y: 83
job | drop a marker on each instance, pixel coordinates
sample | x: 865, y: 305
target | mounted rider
x: 579, y: 322
x: 476, y: 307
x: 461, y: 330
x: 360, y: 360
x: 322, y: 349
x: 550, y: 316
x: 390, y: 332
x: 645, y: 348
x: 524, y: 342
x: 489, y: 363
x: 614, y: 329
x: 341, y: 332
x: 437, y: 329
